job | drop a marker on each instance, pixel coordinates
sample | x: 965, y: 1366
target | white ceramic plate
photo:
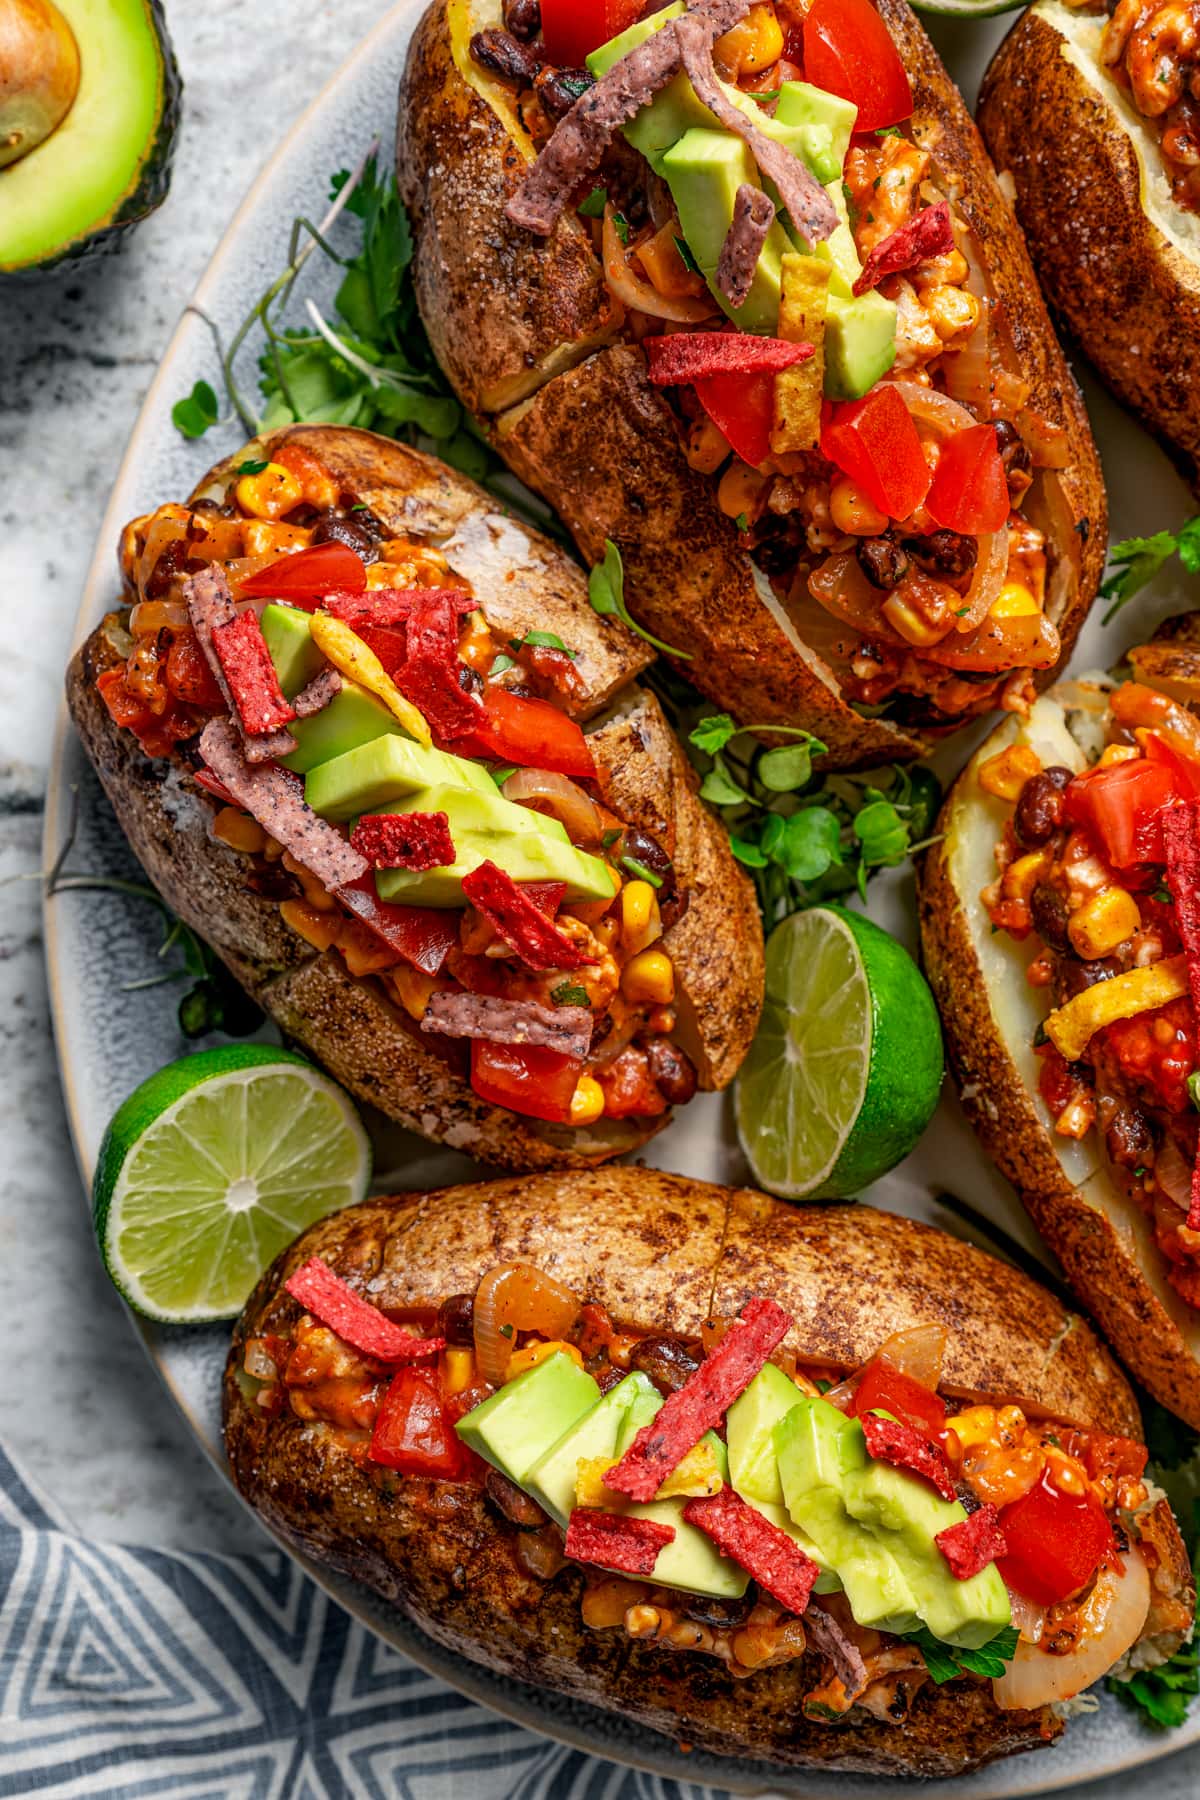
x: 109, y: 1039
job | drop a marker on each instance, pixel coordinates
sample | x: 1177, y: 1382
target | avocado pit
x: 39, y: 75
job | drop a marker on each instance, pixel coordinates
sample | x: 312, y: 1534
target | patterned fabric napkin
x: 133, y: 1672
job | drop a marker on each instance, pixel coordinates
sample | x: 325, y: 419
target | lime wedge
x: 969, y: 9
x: 211, y: 1168
x: 844, y: 1074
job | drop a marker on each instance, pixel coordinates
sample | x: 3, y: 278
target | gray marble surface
x: 80, y: 1406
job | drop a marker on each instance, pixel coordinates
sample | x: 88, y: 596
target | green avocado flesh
x: 107, y: 163
x: 519, y: 1423
x: 487, y: 828
x: 369, y: 776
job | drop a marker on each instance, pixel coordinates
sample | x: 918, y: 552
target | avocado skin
x: 153, y: 183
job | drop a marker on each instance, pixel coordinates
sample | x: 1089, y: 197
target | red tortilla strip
x: 615, y: 1542
x: 520, y: 921
x: 416, y: 840
x: 330, y: 1300
x: 929, y: 234
x: 1181, y: 838
x: 768, y: 1554
x: 431, y: 673
x: 384, y: 607
x: 904, y: 1448
x: 973, y: 1543
x: 702, y: 1402
x: 690, y: 356
x: 247, y: 667
x: 207, y: 780
x: 422, y: 936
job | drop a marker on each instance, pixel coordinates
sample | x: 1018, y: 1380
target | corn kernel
x: 413, y: 990
x: 1006, y: 773
x: 239, y: 831
x: 977, y: 1425
x: 587, y: 1102
x: 458, y: 1368
x: 912, y: 624
x: 269, y: 494
x: 1014, y: 601
x: 649, y: 979
x: 751, y: 46
x: 740, y: 489
x: 851, y: 511
x: 1103, y: 922
x: 952, y: 311
x: 533, y: 1354
x: 641, y: 922
x: 1116, y: 753
x: 316, y: 928
x: 1022, y: 876
x: 707, y: 446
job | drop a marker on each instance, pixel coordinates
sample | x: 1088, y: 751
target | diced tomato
x: 885, y: 1388
x: 629, y: 1089
x: 188, y: 675
x: 531, y: 733
x: 1056, y: 1084
x: 1121, y: 808
x: 1156, y: 1051
x: 572, y: 29
x: 155, y: 732
x: 1185, y: 771
x: 413, y: 1431
x: 1056, y: 1542
x: 969, y: 491
x: 420, y: 935
x: 537, y: 1083
x: 848, y: 50
x: 1110, y: 1456
x: 742, y: 408
x: 308, y: 575
x: 875, y: 443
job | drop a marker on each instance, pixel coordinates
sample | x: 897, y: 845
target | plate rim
x: 453, y: 1668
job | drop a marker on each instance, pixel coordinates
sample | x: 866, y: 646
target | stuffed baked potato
x: 520, y: 1030
x: 806, y: 583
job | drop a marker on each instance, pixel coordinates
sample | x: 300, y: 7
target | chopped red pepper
x: 422, y: 936
x: 969, y: 490
x: 875, y: 443
x: 525, y: 1079
x: 849, y: 51
x: 702, y: 1402
x: 307, y: 575
x: 1185, y: 771
x: 973, y: 1543
x: 904, y: 1448
x: 413, y: 1431
x: 390, y: 606
x: 416, y: 840
x: 690, y: 356
x: 572, y: 29
x: 334, y: 1302
x: 754, y: 1544
x: 1181, y: 840
x: 742, y: 407
x: 1055, y: 1542
x: 547, y: 896
x: 189, y: 676
x: 246, y: 662
x: 157, y: 733
x: 1105, y: 1457
x: 531, y: 733
x: 929, y: 234
x: 522, y: 924
x: 616, y: 1542
x: 430, y: 676
x: 206, y: 779
x: 1122, y: 808
x: 885, y: 1388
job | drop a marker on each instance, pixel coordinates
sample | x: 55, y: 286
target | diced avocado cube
x: 645, y: 1405
x: 860, y: 344
x: 692, y: 1561
x: 551, y: 1480
x: 369, y: 775
x: 827, y: 1581
x: 601, y: 60
x: 704, y: 170
x: 750, y: 1434
x: 827, y: 117
x: 352, y: 719
x: 519, y: 1423
x: 290, y: 644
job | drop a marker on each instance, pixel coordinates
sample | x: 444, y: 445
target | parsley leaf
x: 685, y: 251
x: 606, y: 591
x: 546, y: 640
x: 593, y: 206
x: 569, y: 993
x: 946, y: 1661
x: 197, y: 412
x: 1138, y: 560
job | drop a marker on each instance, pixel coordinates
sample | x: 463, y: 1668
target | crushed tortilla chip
x: 356, y: 660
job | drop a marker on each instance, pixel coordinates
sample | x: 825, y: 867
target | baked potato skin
x: 661, y: 1252
x: 349, y: 1025
x: 602, y: 447
x: 1102, y: 1240
x: 1125, y: 292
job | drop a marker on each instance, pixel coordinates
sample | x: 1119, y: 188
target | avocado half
x: 89, y: 108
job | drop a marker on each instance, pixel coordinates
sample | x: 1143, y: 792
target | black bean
x: 469, y: 679
x: 516, y: 1505
x: 559, y: 89
x: 649, y: 852
x: 332, y: 528
x: 882, y: 561
x: 1015, y: 456
x: 949, y: 554
x: 1039, y: 811
x: 456, y: 1319
x: 505, y: 57
x: 721, y: 1614
x: 672, y: 909
x: 1073, y: 977
x: 666, y: 1360
x: 523, y: 18
x: 673, y: 1074
x: 1048, y: 910
x: 1129, y: 1139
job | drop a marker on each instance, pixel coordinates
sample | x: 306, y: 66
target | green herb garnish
x: 545, y: 640
x: 685, y: 251
x: 593, y: 206
x: 1138, y: 560
x: 946, y: 1662
x: 606, y: 591
x: 569, y: 993
x: 641, y: 871
x: 194, y: 414
x: 621, y: 225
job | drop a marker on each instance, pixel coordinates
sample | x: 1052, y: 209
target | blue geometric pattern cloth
x: 133, y: 1672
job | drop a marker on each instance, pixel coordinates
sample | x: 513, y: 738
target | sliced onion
x: 560, y: 798
x: 150, y: 616
x: 1173, y: 1175
x: 1027, y: 641
x: 1028, y: 1617
x: 918, y: 1353
x: 840, y: 586
x: 1112, y: 1616
x: 258, y: 1361
x: 969, y: 370
x: 512, y: 1298
x: 1045, y: 441
x: 638, y: 294
x: 936, y: 410
x: 991, y: 568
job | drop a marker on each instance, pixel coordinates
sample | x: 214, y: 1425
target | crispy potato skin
x: 1129, y: 296
x: 1101, y: 1239
x: 602, y: 447
x: 661, y: 1252
x: 350, y: 1025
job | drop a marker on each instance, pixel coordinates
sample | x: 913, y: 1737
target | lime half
x: 968, y: 9
x: 211, y: 1168
x: 844, y: 1074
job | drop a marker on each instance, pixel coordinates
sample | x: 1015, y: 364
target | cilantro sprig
x: 606, y: 591
x: 1136, y: 561
x: 946, y: 1662
x: 1163, y: 1696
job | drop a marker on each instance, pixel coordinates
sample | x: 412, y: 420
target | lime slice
x: 968, y: 9
x: 844, y: 1074
x: 211, y: 1168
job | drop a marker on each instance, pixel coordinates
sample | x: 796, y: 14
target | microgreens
x: 606, y: 591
